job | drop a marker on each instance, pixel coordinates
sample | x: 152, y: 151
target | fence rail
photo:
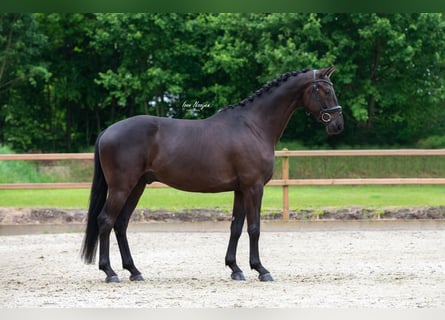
x: 278, y: 153
x: 284, y: 182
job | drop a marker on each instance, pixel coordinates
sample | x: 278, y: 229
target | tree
x: 72, y: 94
x: 391, y: 67
x: 22, y: 74
x: 65, y: 77
x: 149, y: 61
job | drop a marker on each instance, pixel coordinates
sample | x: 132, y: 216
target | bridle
x: 325, y: 111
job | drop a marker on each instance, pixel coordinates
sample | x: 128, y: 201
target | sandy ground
x: 340, y: 268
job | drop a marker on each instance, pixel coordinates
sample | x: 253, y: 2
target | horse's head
x: 319, y: 100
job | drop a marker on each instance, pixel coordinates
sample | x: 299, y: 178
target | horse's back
x: 134, y: 127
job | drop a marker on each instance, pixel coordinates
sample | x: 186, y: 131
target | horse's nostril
x: 340, y: 127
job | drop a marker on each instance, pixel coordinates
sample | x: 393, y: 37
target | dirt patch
x: 41, y: 216
x: 10, y: 216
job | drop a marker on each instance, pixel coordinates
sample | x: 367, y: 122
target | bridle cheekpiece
x: 325, y: 111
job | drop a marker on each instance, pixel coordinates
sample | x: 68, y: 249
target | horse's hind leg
x: 235, y: 233
x: 120, y: 229
x: 106, y: 220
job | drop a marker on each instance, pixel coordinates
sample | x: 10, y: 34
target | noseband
x: 325, y: 111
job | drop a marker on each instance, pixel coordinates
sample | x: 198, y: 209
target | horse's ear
x: 328, y: 71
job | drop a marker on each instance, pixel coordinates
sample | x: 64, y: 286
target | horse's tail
x: 98, y: 196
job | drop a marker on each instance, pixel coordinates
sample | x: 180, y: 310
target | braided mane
x: 266, y: 88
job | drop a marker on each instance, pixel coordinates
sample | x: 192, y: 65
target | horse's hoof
x: 137, y: 277
x: 238, y: 276
x: 112, y: 279
x: 265, y: 277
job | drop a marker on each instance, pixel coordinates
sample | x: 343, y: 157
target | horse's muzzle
x: 335, y: 126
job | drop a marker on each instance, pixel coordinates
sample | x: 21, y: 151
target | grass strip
x: 300, y: 197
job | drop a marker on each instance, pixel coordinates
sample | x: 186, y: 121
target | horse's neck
x: 272, y: 112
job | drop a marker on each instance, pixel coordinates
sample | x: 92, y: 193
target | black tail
x: 98, y: 196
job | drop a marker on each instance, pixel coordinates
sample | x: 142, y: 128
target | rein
x: 325, y: 111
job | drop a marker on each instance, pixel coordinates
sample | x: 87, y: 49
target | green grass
x: 300, y: 198
x: 20, y: 171
x: 369, y: 167
x: 44, y: 171
x: 360, y: 166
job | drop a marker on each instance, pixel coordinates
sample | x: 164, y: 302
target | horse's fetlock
x: 230, y: 261
x: 255, y: 265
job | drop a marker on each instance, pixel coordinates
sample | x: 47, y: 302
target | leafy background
x: 64, y: 77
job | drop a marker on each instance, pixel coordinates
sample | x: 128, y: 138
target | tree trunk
x: 374, y: 69
x: 68, y: 123
x: 371, y: 112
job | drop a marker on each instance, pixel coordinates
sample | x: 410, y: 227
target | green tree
x: 65, y: 77
x: 390, y: 76
x: 23, y: 76
x: 72, y: 95
x: 150, y: 59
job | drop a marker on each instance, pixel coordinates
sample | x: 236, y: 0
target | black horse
x: 233, y: 150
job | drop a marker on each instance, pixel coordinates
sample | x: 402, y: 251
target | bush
x: 432, y: 142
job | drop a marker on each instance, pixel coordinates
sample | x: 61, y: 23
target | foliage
x: 432, y: 142
x: 65, y: 77
x: 19, y: 171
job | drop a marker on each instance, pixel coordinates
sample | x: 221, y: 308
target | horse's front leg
x: 236, y: 228
x: 252, y: 204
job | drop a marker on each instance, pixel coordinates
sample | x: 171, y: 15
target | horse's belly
x: 200, y: 184
x: 203, y: 169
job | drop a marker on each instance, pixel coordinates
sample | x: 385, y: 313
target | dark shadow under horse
x: 233, y: 150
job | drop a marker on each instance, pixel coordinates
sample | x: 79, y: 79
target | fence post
x: 285, y: 177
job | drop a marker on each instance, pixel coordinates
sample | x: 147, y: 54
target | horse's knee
x: 253, y: 230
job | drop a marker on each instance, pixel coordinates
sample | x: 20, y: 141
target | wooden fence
x: 284, y: 182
